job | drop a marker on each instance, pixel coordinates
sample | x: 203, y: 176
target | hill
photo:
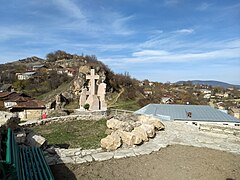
x: 64, y: 73
x: 210, y: 83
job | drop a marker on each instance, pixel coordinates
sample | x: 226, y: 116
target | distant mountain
x: 210, y: 83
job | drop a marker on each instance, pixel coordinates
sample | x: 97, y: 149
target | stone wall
x: 62, y: 118
x: 4, y: 116
x: 234, y: 130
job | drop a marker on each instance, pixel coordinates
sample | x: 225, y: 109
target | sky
x: 159, y: 40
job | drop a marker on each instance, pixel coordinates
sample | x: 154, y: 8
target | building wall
x: 197, y: 123
x: 31, y: 114
x: 236, y: 115
x: 9, y: 104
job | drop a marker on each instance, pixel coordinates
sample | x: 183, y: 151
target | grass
x: 81, y: 133
x: 72, y: 105
x: 52, y: 94
x: 130, y: 105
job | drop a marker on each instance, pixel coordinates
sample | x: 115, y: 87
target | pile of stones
x: 130, y: 130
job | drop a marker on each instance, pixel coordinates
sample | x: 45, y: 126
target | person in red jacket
x: 44, y: 116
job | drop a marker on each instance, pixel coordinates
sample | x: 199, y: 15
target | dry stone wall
x: 62, y: 118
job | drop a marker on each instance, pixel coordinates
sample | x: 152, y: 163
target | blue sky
x: 168, y: 40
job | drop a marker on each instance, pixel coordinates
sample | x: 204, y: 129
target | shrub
x: 86, y: 106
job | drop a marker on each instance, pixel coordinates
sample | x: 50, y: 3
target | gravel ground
x: 174, y: 162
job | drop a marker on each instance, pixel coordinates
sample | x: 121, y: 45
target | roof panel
x: 179, y: 112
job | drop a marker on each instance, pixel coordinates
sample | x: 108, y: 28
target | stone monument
x: 101, y: 93
x: 95, y: 97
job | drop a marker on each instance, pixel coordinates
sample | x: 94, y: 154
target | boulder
x: 13, y: 123
x: 111, y: 142
x: 153, y: 121
x: 109, y: 131
x: 149, y: 129
x: 36, y: 140
x: 129, y: 138
x: 116, y: 124
x: 139, y: 132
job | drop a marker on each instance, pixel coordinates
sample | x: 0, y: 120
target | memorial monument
x: 95, y: 96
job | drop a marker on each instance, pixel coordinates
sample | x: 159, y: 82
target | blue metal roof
x: 179, y: 112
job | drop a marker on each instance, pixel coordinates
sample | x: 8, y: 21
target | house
x: 25, y: 76
x: 29, y: 110
x: 191, y: 114
x: 205, y: 91
x: 148, y: 92
x: 219, y: 95
x: 37, y: 67
x: 234, y: 111
x: 151, y: 83
x: 167, y: 100
x: 70, y: 72
x: 207, y: 96
x: 26, y: 107
x: 6, y: 88
x: 60, y: 70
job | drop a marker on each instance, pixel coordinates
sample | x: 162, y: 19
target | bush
x: 86, y: 106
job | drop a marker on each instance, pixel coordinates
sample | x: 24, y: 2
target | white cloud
x: 119, y: 25
x: 152, y: 53
x: 188, y: 31
x: 70, y: 8
x: 147, y: 56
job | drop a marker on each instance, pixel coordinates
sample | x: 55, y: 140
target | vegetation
x: 84, y: 134
x: 86, y: 106
x: 123, y: 91
x: 131, y: 105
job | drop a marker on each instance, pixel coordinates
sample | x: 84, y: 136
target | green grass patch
x: 52, y: 94
x: 81, y: 133
x: 130, y: 105
x: 72, y: 105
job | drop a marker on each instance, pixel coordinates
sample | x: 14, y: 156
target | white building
x: 25, y: 76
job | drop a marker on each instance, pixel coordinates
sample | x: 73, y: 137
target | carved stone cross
x: 92, y: 78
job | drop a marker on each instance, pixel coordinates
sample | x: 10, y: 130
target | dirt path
x: 116, y: 99
x: 174, y: 162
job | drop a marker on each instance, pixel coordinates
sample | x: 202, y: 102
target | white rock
x: 35, y: 140
x: 153, y: 121
x: 116, y: 124
x: 129, y: 138
x: 138, y: 131
x: 111, y: 142
x: 149, y: 129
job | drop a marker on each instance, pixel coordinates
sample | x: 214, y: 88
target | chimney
x: 189, y: 114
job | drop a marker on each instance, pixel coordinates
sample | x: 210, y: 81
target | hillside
x: 65, y: 74
x: 210, y: 83
x: 62, y: 73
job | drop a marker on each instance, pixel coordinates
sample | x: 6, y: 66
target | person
x: 44, y: 116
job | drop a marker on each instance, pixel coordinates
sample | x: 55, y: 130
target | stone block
x: 102, y: 156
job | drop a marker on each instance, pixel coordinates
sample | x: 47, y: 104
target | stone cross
x: 92, y: 78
